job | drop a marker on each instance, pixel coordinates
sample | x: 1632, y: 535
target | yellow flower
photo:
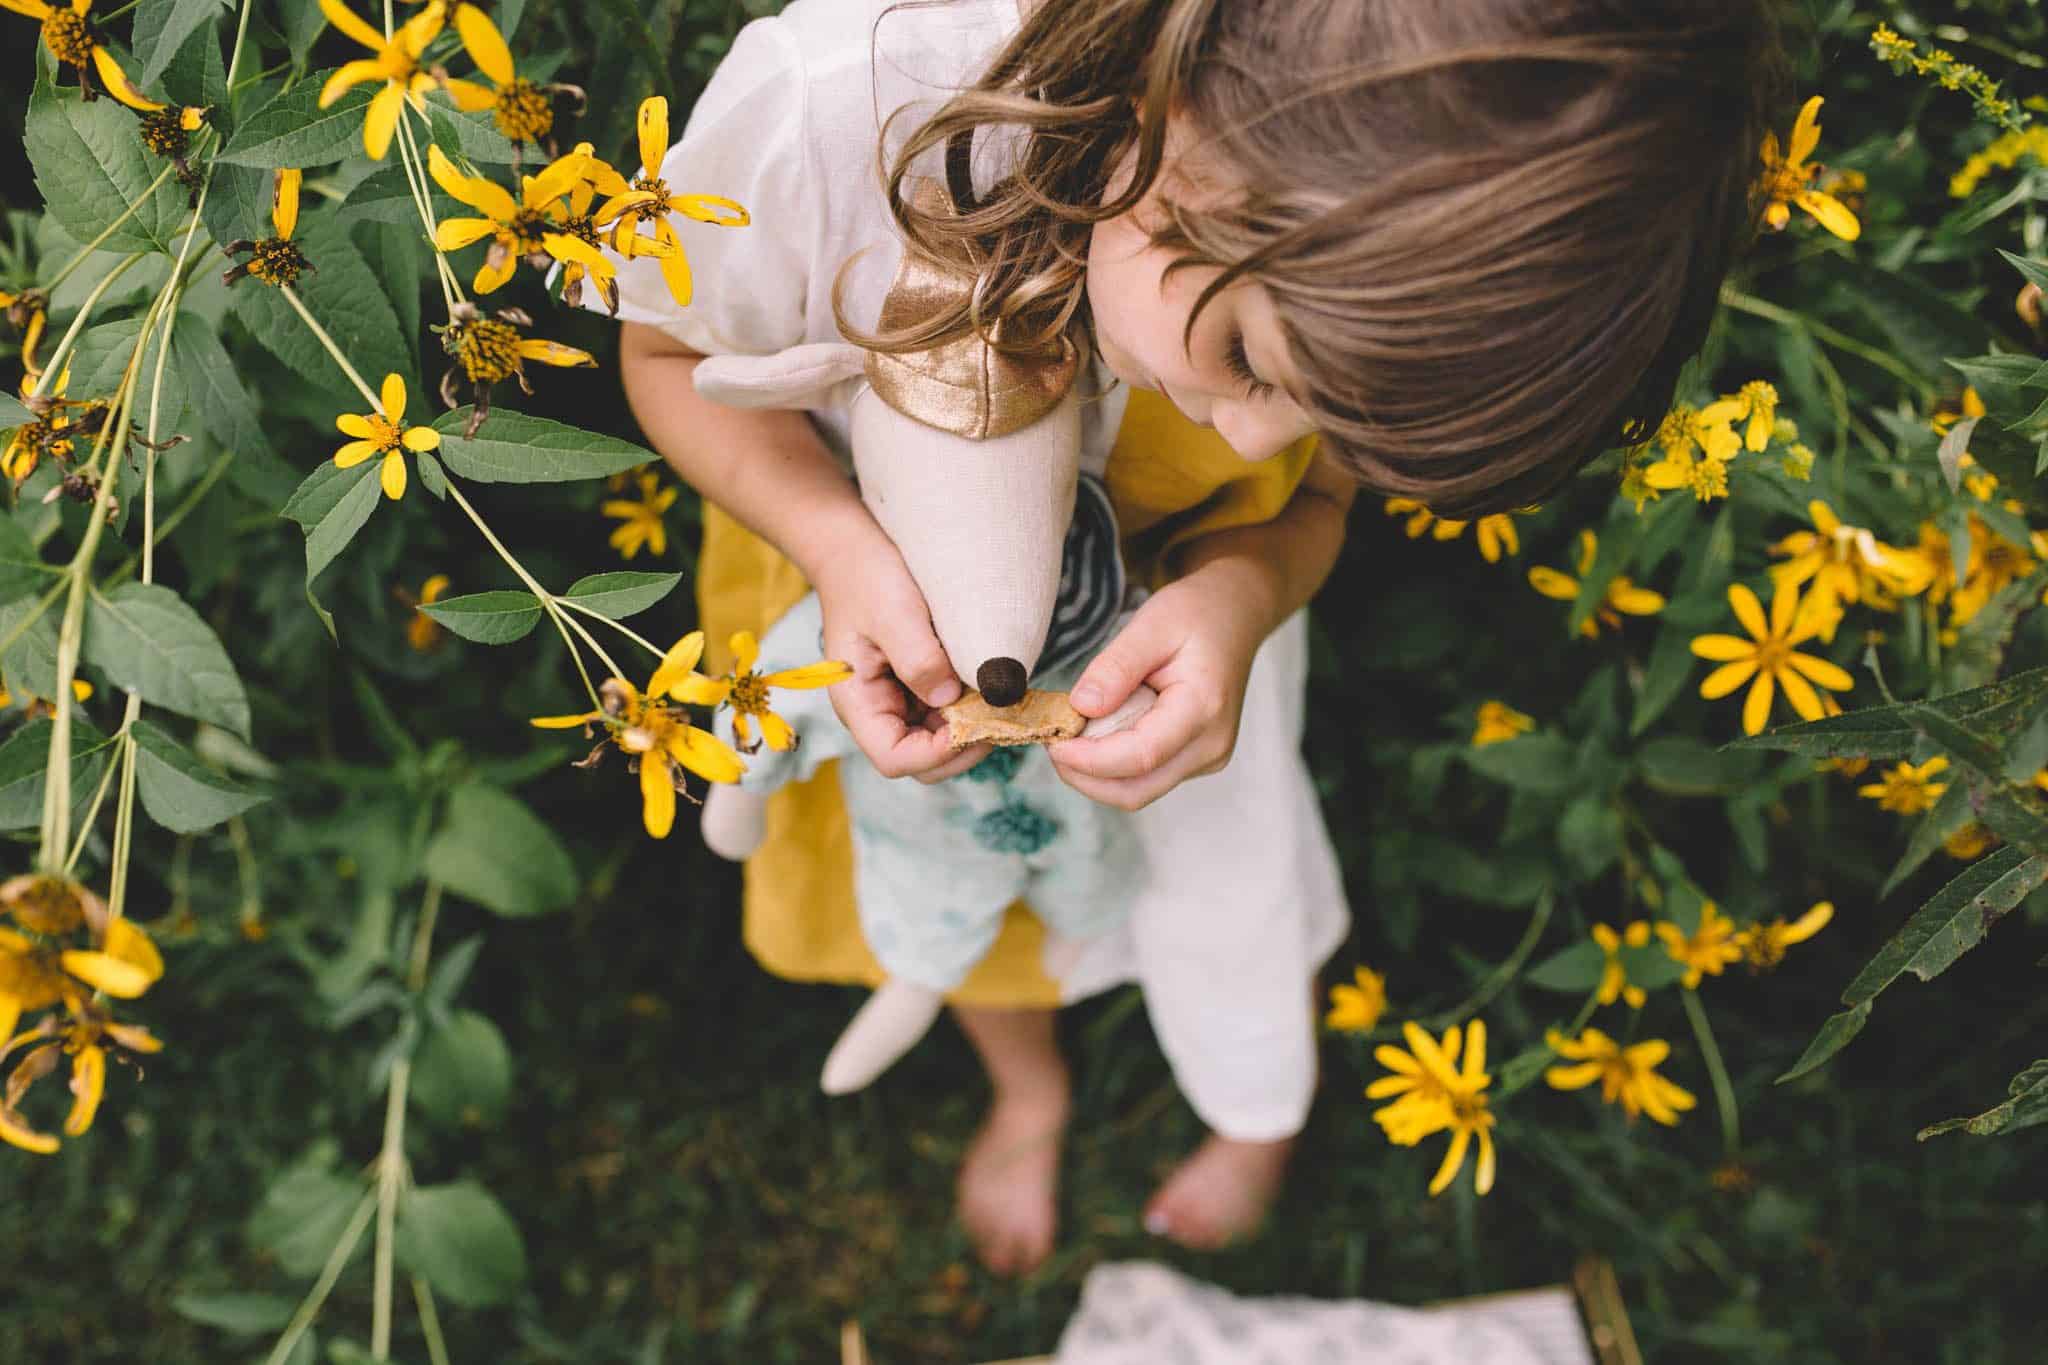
x: 1762, y: 401
x: 384, y: 433
x: 68, y: 34
x: 397, y: 65
x: 518, y: 229
x: 1712, y: 946
x: 55, y: 430
x: 29, y: 311
x: 640, y: 518
x: 1435, y: 1095
x: 490, y: 350
x: 1627, y: 1075
x: 1622, y: 594
x: 1420, y: 519
x: 1697, y: 446
x: 84, y: 1035
x: 1764, y: 945
x: 1788, y: 179
x: 274, y: 260
x: 1769, y: 657
x: 659, y: 736
x: 648, y: 201
x: 1495, y: 534
x: 1906, y: 789
x: 2002, y: 155
x: 1846, y: 564
x: 1614, y: 982
x: 1970, y: 842
x: 521, y: 109
x: 1498, y: 721
x: 1847, y: 767
x: 423, y: 632
x: 1972, y: 405
x: 81, y: 690
x: 1993, y: 563
x: 1357, y: 1009
x: 747, y: 692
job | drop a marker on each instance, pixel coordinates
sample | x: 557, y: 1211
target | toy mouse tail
x: 897, y: 1015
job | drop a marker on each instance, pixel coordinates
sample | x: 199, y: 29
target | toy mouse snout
x: 1001, y: 681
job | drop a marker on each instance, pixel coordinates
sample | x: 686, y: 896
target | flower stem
x: 1501, y: 975
x: 109, y: 230
x: 656, y: 650
x: 1724, y: 1093
x: 320, y: 333
x: 316, y: 1297
x: 391, y: 1159
x: 53, y: 364
x: 430, y: 1321
x: 1841, y: 341
x: 416, y: 178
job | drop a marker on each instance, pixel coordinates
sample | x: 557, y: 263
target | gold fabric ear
x: 964, y: 386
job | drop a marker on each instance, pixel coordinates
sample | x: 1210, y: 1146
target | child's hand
x: 877, y: 621
x: 1194, y: 646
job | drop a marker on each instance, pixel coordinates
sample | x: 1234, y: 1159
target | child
x: 1449, y: 250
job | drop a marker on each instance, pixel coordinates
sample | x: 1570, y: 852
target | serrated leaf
x: 474, y: 137
x: 195, y: 74
x: 242, y: 1314
x: 1951, y: 812
x: 621, y: 593
x: 181, y: 793
x: 161, y: 28
x: 511, y: 447
x: 1887, y: 732
x: 1539, y: 763
x: 386, y: 196
x: 1834, y: 1035
x: 148, y: 640
x: 294, y: 131
x: 331, y: 506
x: 462, y: 1242
x: 214, y: 387
x: 100, y: 357
x: 489, y: 618
x: 90, y: 164
x: 491, y: 849
x: 30, y: 663
x: 22, y: 569
x: 237, y: 206
x: 1953, y: 922
x: 25, y: 765
x: 2026, y: 1106
x: 347, y: 299
x: 462, y: 1073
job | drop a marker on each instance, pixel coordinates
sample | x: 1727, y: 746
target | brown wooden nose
x: 1001, y: 682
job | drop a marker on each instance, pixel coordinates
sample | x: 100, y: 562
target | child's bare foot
x: 1009, y: 1182
x: 1220, y: 1194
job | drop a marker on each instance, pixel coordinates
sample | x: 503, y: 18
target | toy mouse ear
x: 800, y: 377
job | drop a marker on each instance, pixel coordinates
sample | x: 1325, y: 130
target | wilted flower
x: 648, y: 201
x: 1709, y: 948
x: 1764, y: 945
x: 492, y: 349
x: 274, y: 260
x: 523, y: 111
x: 29, y: 311
x: 67, y: 32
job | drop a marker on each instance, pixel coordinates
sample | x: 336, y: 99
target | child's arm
x: 774, y: 474
x: 1194, y: 641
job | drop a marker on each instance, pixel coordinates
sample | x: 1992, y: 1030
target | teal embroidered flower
x: 1000, y: 766
x: 1016, y: 828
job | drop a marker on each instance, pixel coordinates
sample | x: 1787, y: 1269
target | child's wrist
x: 836, y: 534
x: 1245, y: 588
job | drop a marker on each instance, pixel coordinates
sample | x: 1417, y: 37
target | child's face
x: 1140, y: 317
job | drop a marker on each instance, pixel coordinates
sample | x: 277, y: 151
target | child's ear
x: 800, y: 377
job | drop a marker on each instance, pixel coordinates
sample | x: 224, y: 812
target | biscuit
x: 1041, y: 718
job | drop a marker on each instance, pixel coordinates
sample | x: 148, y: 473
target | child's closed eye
x: 1240, y: 366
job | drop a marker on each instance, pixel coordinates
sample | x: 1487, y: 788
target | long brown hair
x: 1493, y: 230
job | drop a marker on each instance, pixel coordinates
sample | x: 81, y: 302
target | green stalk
x: 316, y: 1297
x: 320, y: 334
x: 1724, y: 1093
x: 1841, y: 341
x: 391, y: 1159
x: 53, y: 365
x: 109, y: 230
x: 430, y: 1321
x: 656, y: 650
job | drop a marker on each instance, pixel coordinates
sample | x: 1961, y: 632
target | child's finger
x: 1159, y: 736
x: 1144, y: 646
x: 959, y: 764
x: 1136, y: 793
x: 920, y: 663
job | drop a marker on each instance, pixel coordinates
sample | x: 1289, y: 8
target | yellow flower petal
x: 698, y: 690
x: 746, y: 651
x: 653, y: 121
x: 284, y: 200
x: 777, y: 732
x: 391, y: 397
x: 1483, y: 1173
x: 554, y: 353
x: 705, y: 754
x: 354, y: 453
x: 1454, y: 1158
x: 657, y: 795
x: 1800, y: 693
x: 485, y: 196
x: 1553, y: 584
x: 469, y: 96
x: 105, y: 972
x: 822, y: 674
x: 88, y: 1083
x: 710, y: 208
x: 453, y: 234
x: 675, y: 665
x: 1748, y: 611
x: 1828, y: 675
x: 420, y: 438
x: 1756, y: 708
x: 1723, y: 648
x: 1727, y: 678
x: 117, y: 82
x: 347, y: 77
x: 485, y: 44
x: 18, y: 1134
x: 1805, y: 133
x: 1831, y: 213
x: 1809, y: 924
x: 382, y: 121
x: 392, y: 475
x: 356, y: 425
x: 565, y: 722
x: 345, y: 19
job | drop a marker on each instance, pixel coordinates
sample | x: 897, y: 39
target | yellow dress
x: 1170, y: 481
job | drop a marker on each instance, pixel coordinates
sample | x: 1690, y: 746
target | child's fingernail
x: 945, y: 694
x: 1158, y: 1224
x: 1087, y: 695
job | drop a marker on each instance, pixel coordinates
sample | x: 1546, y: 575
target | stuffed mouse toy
x: 970, y: 461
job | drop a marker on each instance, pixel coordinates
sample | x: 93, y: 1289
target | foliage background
x: 685, y: 1194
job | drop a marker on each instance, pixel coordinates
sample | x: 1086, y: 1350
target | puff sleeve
x: 746, y: 141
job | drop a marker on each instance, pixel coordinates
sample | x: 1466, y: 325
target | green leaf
x: 1951, y: 812
x: 462, y: 1242
x: 1682, y: 766
x: 214, y: 387
x: 346, y: 297
x: 432, y: 477
x: 90, y: 164
x: 148, y: 640
x: 304, y: 1212
x: 194, y: 74
x: 30, y: 663
x: 294, y: 131
x: 12, y: 413
x: 237, y: 206
x: 462, y: 1073
x: 1539, y: 763
x: 161, y: 28
x: 1671, y: 664
x: 21, y: 567
x: 2036, y: 272
x: 181, y: 793
x: 2026, y: 1107
x: 1834, y: 1035
x: 331, y: 506
x: 1574, y: 970
x: 25, y: 764
x: 100, y: 356
x: 474, y: 137
x: 386, y: 196
x: 621, y: 593
x: 242, y: 1314
x: 1888, y: 732
x: 489, y: 618
x: 491, y: 849
x: 1953, y: 922
x: 1981, y: 645
x: 511, y: 447
x: 1649, y: 966
x: 1589, y: 836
